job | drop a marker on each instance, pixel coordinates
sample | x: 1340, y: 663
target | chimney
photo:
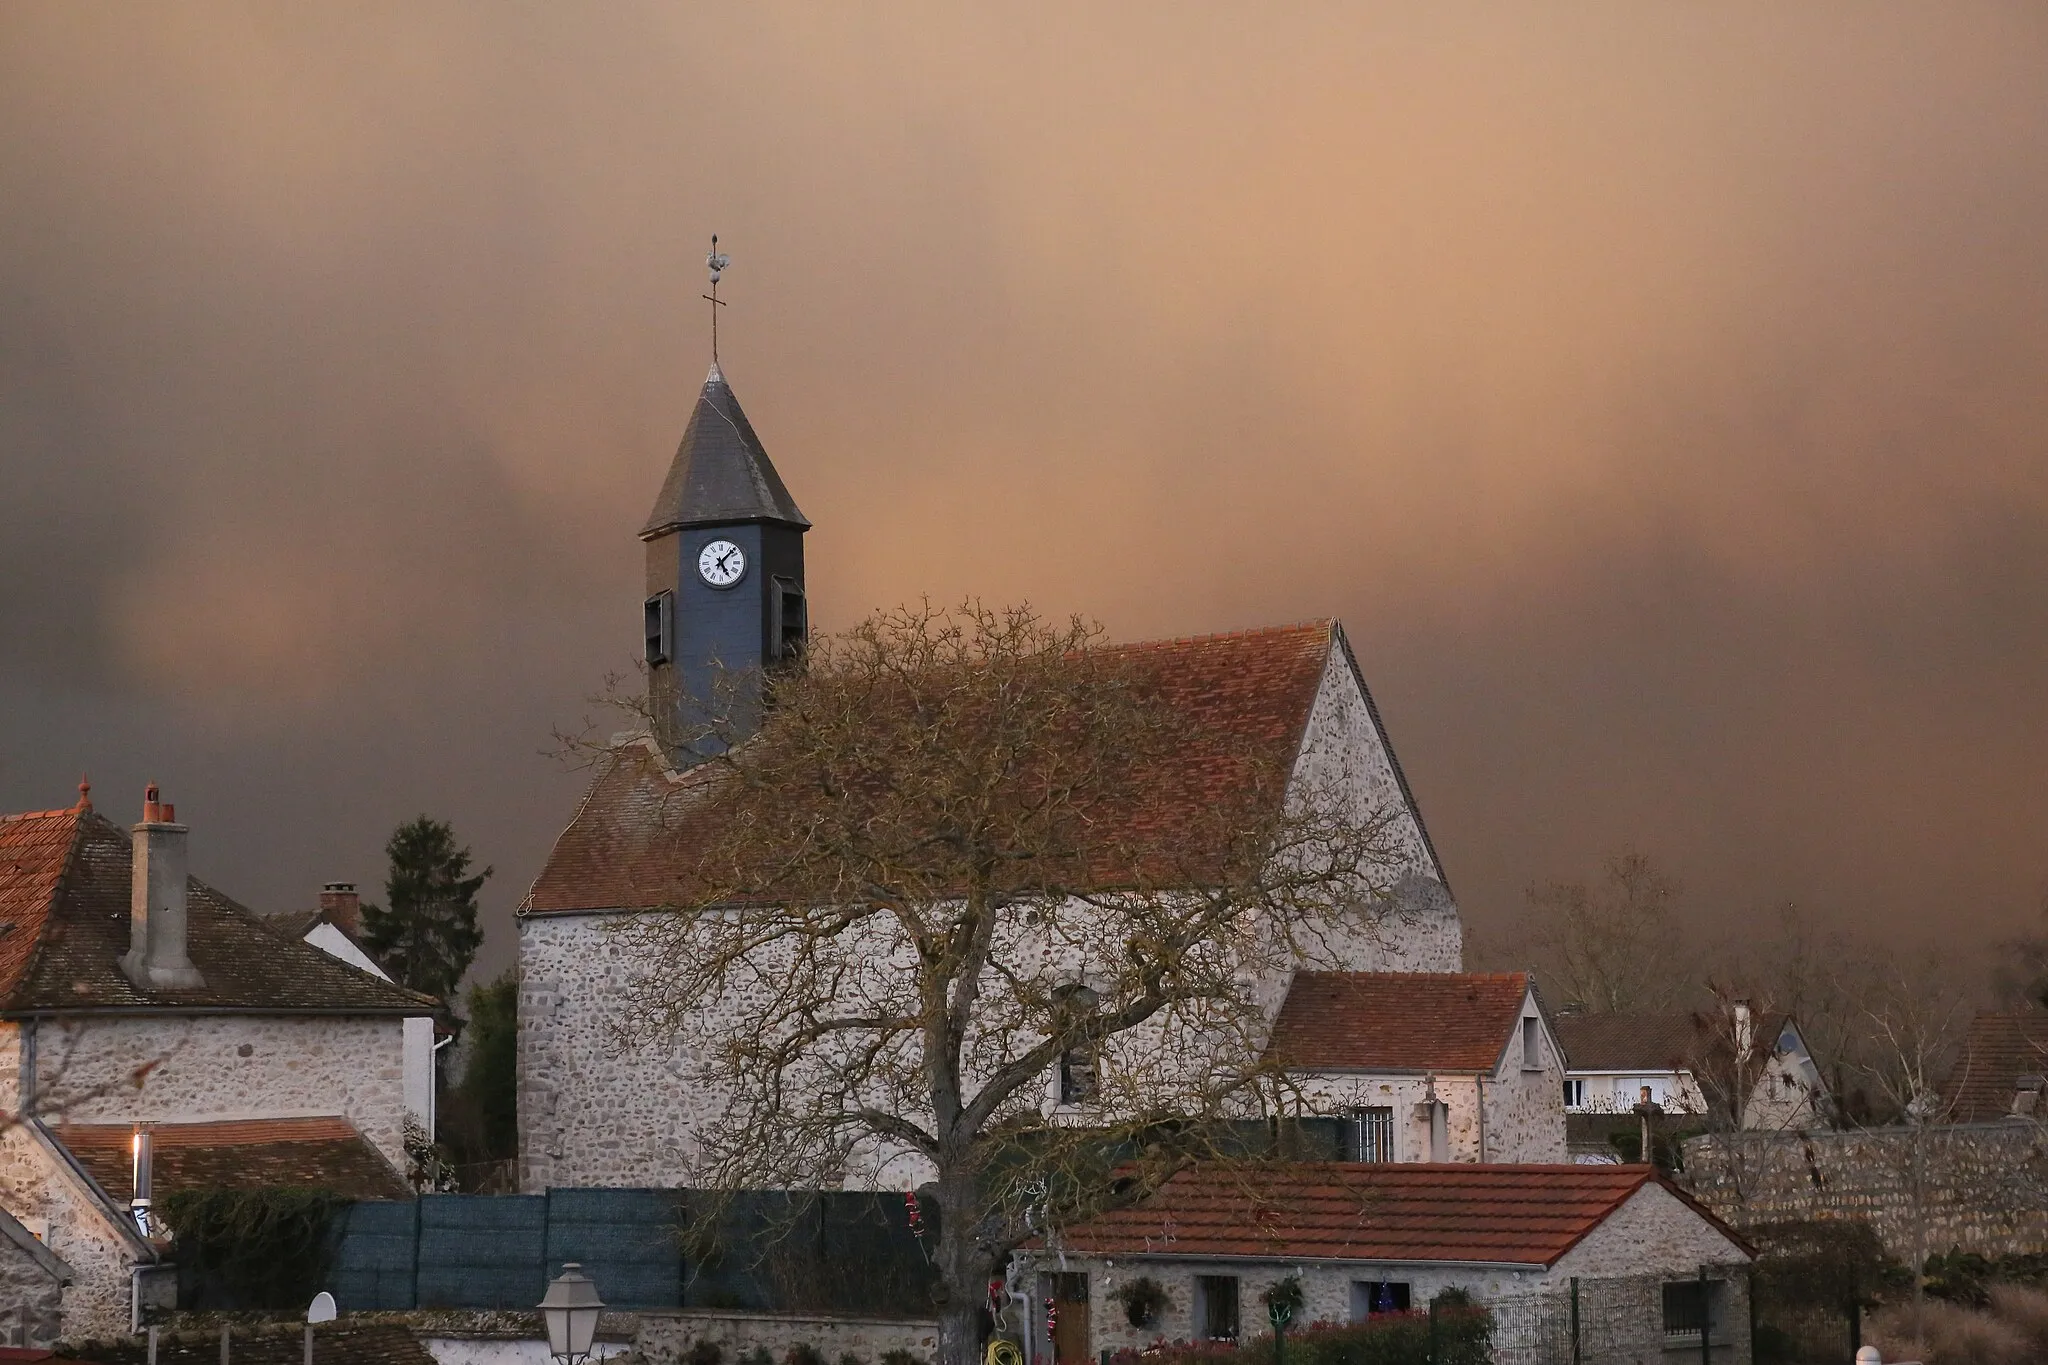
x: 341, y: 907
x: 156, y: 959
x: 141, y: 1155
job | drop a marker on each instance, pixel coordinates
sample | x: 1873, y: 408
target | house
x: 153, y: 1028
x: 336, y: 928
x: 1370, y: 1238
x: 726, y: 587
x: 1427, y: 1066
x: 1691, y: 1066
x: 1999, y: 1071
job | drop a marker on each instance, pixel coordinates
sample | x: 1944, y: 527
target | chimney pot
x: 157, y: 957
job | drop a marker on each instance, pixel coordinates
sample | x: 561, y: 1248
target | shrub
x: 803, y: 1353
x: 2026, y: 1312
x: 849, y: 1358
x: 1951, y: 1335
x: 758, y: 1356
x: 1464, y: 1337
x: 898, y: 1356
x: 704, y: 1351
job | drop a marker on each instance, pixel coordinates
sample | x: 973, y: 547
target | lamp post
x: 571, y: 1308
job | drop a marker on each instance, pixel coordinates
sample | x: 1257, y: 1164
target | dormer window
x: 661, y: 627
x: 1532, y: 1044
x: 1077, y: 1076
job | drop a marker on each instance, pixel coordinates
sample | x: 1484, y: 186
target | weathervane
x: 716, y: 263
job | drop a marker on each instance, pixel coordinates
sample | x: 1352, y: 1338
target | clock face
x: 721, y: 564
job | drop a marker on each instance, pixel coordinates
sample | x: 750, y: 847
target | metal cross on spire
x: 716, y: 263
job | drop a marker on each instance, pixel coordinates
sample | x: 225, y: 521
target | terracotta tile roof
x: 342, y: 1342
x: 1398, y: 1021
x: 1649, y: 1042
x: 238, y: 1154
x: 34, y: 849
x: 1998, y: 1050
x: 70, y: 909
x: 1502, y: 1214
x: 1242, y: 698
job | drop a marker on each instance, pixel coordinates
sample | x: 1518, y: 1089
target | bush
x: 898, y: 1356
x: 704, y: 1351
x: 1464, y: 1337
x: 849, y: 1358
x: 758, y: 1356
x: 266, y: 1248
x: 803, y: 1353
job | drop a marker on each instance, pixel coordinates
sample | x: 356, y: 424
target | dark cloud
x: 1657, y: 397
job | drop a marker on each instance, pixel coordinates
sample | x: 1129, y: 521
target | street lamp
x: 571, y: 1308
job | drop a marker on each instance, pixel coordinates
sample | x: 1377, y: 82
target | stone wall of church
x: 1343, y: 754
x: 594, y: 1109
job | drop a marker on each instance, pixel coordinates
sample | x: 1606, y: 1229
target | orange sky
x: 1660, y: 397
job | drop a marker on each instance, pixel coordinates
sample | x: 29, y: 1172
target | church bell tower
x: 725, y: 579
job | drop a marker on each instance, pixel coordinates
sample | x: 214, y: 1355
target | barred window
x: 1685, y: 1308
x: 1374, y: 1134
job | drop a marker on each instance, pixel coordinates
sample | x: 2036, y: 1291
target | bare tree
x: 1611, y: 945
x: 976, y: 904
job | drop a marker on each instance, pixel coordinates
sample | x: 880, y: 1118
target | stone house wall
x: 31, y: 1298
x: 38, y: 1190
x: 663, y: 1338
x: 598, y: 1109
x: 1981, y: 1187
x: 218, y: 1067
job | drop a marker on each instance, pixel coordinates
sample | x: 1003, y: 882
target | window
x: 1686, y: 1305
x: 1216, y: 1306
x: 791, y: 627
x: 661, y: 627
x: 1077, y: 1076
x: 1575, y: 1094
x: 1366, y: 1135
x: 1532, y: 1045
x: 1370, y: 1298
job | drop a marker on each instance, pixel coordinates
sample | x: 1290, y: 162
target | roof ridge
x: 1209, y: 637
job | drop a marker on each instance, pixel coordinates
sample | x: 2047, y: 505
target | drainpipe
x: 1479, y: 1087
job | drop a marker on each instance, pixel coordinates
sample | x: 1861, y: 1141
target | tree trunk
x: 963, y: 1274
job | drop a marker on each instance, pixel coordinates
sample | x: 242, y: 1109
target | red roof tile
x: 238, y: 1154
x: 1398, y: 1021
x: 34, y: 849
x: 1998, y: 1050
x: 1242, y: 699
x: 1501, y: 1214
x: 64, y: 890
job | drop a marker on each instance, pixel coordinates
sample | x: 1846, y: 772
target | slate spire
x: 720, y: 475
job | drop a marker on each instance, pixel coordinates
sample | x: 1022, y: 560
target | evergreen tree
x: 490, y: 1081
x: 428, y: 935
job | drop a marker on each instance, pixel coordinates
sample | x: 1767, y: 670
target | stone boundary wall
x: 664, y: 1338
x: 1974, y: 1187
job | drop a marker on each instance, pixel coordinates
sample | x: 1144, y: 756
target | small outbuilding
x: 1647, y: 1267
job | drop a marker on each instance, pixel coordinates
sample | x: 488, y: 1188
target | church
x: 1447, y: 1066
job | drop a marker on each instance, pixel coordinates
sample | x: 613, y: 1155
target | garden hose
x: 1003, y: 1351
